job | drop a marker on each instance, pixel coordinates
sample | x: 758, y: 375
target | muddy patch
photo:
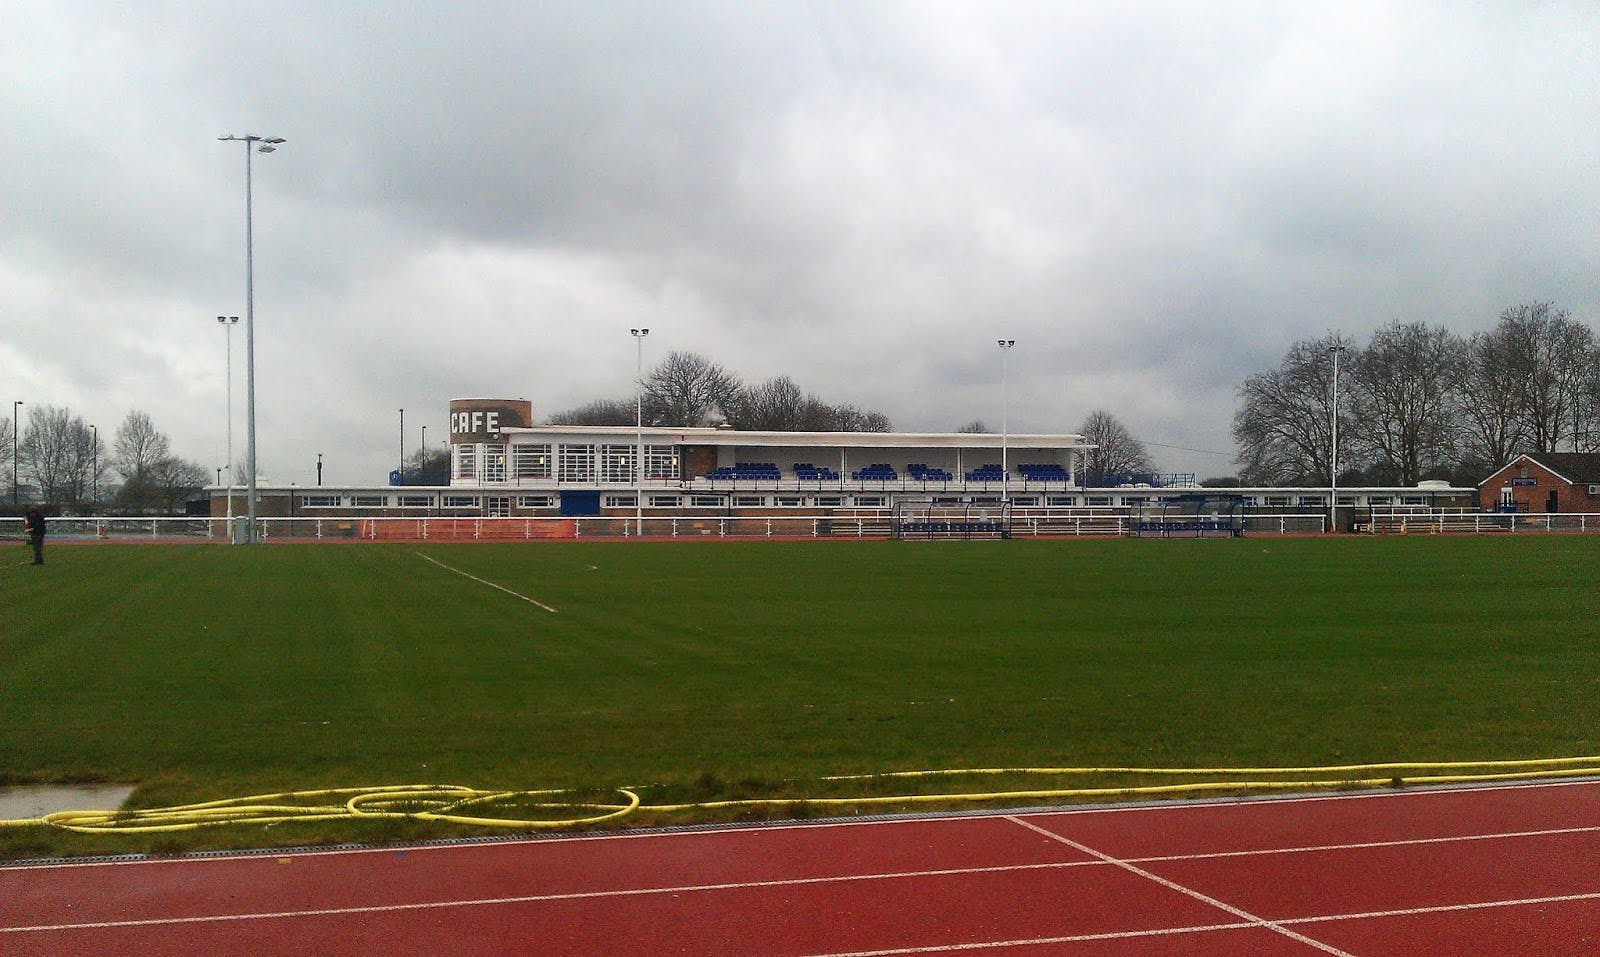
x: 37, y: 800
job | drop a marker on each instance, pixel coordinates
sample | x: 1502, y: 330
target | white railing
x: 1425, y: 521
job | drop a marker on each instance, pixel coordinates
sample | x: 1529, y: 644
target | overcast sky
x: 1153, y: 199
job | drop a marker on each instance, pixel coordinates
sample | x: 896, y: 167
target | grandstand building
x: 504, y: 466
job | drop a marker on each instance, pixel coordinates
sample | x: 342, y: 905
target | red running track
x: 1482, y: 871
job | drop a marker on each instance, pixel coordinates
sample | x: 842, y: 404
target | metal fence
x: 799, y: 524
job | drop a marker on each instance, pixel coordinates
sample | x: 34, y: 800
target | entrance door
x: 1551, y: 504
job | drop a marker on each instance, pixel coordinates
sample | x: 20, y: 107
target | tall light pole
x: 402, y: 446
x: 638, y: 424
x: 1005, y: 428
x: 16, y: 450
x: 228, y: 322
x: 422, y: 456
x: 252, y: 144
x: 1333, y: 470
x: 94, y: 467
x: 319, y: 470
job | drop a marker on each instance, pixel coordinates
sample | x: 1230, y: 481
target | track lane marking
x: 1099, y: 861
x: 540, y: 898
x: 1187, y: 891
x: 485, y: 581
x: 1445, y: 908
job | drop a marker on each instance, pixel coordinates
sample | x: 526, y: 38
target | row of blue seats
x: 883, y: 472
x: 807, y: 472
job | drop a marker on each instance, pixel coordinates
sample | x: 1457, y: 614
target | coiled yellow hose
x: 447, y: 803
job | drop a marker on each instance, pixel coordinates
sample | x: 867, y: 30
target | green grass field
x: 710, y: 669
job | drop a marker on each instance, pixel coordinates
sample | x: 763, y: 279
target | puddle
x: 35, y: 800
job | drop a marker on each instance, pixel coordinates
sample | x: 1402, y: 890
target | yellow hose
x: 445, y: 802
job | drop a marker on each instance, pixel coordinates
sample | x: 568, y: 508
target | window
x: 319, y: 501
x: 706, y: 501
x: 830, y: 500
x: 616, y: 463
x: 466, y: 461
x: 369, y: 501
x: 461, y: 501
x: 1099, y: 500
x: 750, y: 501
x: 1025, y: 501
x: 530, y: 461
x: 620, y: 501
x: 660, y: 462
x: 494, y: 463
x: 869, y: 501
x: 789, y: 501
x: 1066, y: 500
x: 575, y: 463
x: 535, y: 501
x: 663, y: 501
x: 416, y: 501
x: 498, y: 506
x: 1277, y: 500
x: 1312, y: 500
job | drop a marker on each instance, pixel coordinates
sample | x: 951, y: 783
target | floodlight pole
x: 1333, y: 472
x: 228, y: 322
x: 402, y: 446
x: 267, y: 145
x: 1005, y: 428
x: 94, y: 474
x: 638, y: 424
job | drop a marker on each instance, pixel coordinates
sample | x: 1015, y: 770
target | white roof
x: 855, y: 440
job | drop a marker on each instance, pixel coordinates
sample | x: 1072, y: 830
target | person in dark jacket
x: 34, y: 524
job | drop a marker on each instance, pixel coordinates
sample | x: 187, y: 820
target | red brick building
x: 1545, y: 482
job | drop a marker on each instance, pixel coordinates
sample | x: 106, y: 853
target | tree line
x: 65, y: 464
x: 688, y: 389
x: 1419, y: 402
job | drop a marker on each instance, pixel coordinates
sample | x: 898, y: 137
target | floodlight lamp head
x: 266, y: 149
x: 274, y: 140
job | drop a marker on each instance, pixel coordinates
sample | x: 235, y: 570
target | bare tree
x: 777, y: 405
x: 599, y: 412
x: 1116, y: 451
x: 1552, y: 356
x: 1284, y: 426
x: 685, y: 387
x: 975, y: 427
x: 1488, y: 398
x: 58, y: 452
x: 175, y: 480
x: 139, y: 446
x: 8, y: 447
x: 1402, y: 415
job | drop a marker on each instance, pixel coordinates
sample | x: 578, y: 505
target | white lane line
x: 1101, y: 861
x: 1445, y: 908
x: 483, y: 581
x: 1188, y: 891
x: 1363, y: 845
x: 539, y: 898
x: 1038, y: 941
x: 1201, y: 929
x: 843, y: 878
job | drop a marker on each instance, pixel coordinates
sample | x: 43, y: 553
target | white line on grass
x: 482, y: 581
